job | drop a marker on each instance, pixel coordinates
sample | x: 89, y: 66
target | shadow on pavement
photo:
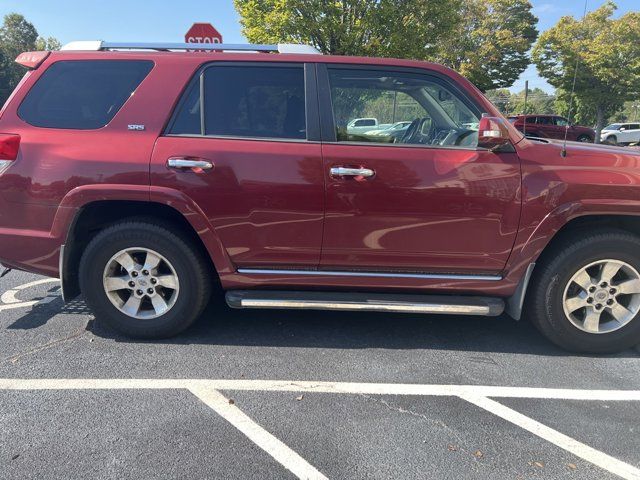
x: 220, y: 325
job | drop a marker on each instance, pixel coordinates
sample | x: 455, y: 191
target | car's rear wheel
x: 144, y: 280
x: 585, y: 139
x: 586, y: 297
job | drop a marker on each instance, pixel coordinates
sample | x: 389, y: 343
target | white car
x: 362, y: 125
x: 621, y: 133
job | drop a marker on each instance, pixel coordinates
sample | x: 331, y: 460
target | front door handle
x: 179, y: 162
x: 351, y: 172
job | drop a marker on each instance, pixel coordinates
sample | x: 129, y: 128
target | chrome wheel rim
x: 141, y: 283
x: 603, y: 296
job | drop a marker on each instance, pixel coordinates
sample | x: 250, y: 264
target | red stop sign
x: 203, y: 33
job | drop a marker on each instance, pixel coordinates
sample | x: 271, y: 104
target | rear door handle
x: 351, y: 172
x: 179, y: 163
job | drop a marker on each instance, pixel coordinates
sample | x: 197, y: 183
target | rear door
x: 633, y: 133
x: 426, y: 201
x: 256, y: 124
x: 546, y: 127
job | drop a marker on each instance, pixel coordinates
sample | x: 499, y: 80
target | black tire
x: 191, y: 268
x: 612, y: 140
x: 544, y: 303
x: 585, y: 139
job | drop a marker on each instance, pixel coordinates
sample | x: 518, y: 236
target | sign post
x: 203, y: 33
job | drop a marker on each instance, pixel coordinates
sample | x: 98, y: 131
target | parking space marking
x: 208, y: 391
x: 579, y: 449
x: 10, y: 301
x: 9, y: 296
x: 258, y: 435
x: 322, y: 387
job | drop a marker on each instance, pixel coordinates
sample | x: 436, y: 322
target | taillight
x: 9, y: 145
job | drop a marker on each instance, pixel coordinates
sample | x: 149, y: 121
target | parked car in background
x: 361, y: 125
x: 552, y: 126
x: 621, y: 133
x: 145, y: 175
x: 395, y: 130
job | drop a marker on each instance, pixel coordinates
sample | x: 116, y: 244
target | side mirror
x: 492, y: 133
x: 622, y: 129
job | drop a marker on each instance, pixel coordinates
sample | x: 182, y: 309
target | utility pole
x: 526, y: 97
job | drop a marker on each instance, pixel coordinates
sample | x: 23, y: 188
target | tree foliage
x: 538, y: 101
x: 17, y: 35
x: 606, y: 51
x: 487, y: 40
x: 491, y: 41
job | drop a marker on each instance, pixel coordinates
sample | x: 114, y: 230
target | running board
x: 372, y: 302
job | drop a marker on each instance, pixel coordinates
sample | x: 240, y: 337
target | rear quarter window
x: 82, y: 94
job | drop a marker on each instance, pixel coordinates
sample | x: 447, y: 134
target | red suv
x: 144, y: 175
x: 552, y: 126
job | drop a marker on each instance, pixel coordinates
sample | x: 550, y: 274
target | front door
x: 422, y: 199
x: 264, y: 191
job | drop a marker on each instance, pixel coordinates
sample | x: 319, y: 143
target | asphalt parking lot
x: 279, y: 394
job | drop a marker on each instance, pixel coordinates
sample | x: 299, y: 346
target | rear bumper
x: 31, y: 251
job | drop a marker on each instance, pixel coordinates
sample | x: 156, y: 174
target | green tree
x: 490, y: 44
x: 17, y: 35
x: 48, y: 44
x: 606, y: 52
x: 486, y: 40
x: 502, y: 99
x: 538, y: 101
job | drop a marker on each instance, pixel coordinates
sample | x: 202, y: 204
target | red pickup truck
x: 145, y: 175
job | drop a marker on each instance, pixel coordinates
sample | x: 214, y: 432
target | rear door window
x: 255, y: 101
x: 82, y: 94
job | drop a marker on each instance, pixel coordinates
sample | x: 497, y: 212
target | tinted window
x: 562, y: 122
x: 634, y: 126
x: 431, y: 112
x: 187, y: 120
x: 255, y: 101
x: 82, y: 94
x: 365, y: 123
x: 531, y: 119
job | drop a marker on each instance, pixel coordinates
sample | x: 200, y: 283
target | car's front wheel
x: 586, y: 295
x: 144, y: 280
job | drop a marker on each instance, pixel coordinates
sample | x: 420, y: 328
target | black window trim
x: 310, y: 94
x: 115, y: 114
x: 327, y: 119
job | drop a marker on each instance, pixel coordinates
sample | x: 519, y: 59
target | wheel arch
x: 533, y: 254
x: 96, y: 215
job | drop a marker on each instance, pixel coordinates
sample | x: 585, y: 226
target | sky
x: 168, y: 21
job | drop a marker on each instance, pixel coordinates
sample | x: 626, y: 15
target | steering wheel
x: 413, y: 131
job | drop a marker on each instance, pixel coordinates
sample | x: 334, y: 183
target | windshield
x: 613, y: 126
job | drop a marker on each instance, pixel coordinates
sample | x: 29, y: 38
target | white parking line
x: 9, y: 296
x: 601, y: 459
x: 208, y: 392
x: 258, y: 435
x: 322, y: 387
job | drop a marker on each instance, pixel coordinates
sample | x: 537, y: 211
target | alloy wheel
x: 603, y: 296
x: 141, y: 283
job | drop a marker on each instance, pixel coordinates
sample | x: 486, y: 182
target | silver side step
x: 372, y: 302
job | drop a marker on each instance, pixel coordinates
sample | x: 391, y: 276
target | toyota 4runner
x: 145, y: 175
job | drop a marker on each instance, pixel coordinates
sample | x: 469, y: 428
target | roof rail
x: 98, y: 45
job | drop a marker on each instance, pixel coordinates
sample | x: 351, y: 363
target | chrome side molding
x: 326, y: 273
x: 371, y: 302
